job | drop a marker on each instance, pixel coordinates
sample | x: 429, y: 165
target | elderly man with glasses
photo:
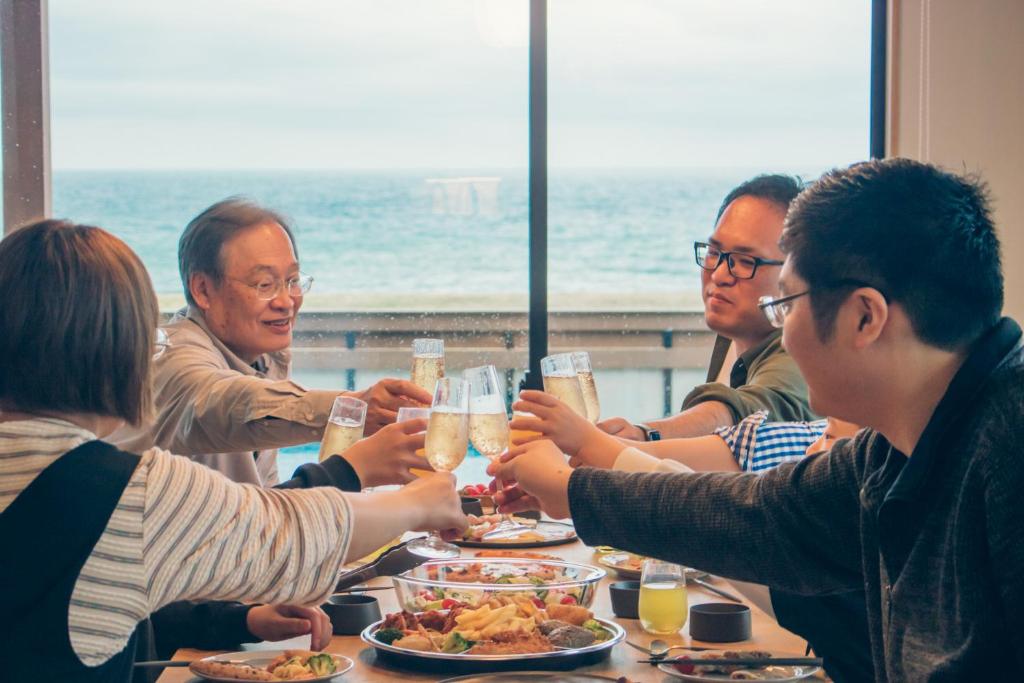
x: 222, y: 385
x: 739, y: 266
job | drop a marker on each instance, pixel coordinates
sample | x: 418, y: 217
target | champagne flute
x: 414, y: 413
x: 488, y: 421
x: 562, y: 381
x: 663, y: 600
x: 344, y: 426
x: 581, y: 360
x: 447, y: 441
x: 427, y: 362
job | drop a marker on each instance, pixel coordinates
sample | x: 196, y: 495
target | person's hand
x: 622, y: 428
x: 536, y: 476
x: 435, y: 499
x: 281, y: 622
x: 551, y: 419
x: 384, y: 399
x: 385, y: 457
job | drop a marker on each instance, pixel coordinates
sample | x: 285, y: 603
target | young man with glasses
x: 739, y: 265
x: 223, y: 393
x: 922, y: 508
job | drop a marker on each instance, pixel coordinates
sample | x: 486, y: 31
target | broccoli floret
x: 388, y: 635
x: 596, y: 628
x: 456, y: 643
x: 322, y: 664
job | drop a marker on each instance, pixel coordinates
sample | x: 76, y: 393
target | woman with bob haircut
x: 95, y: 539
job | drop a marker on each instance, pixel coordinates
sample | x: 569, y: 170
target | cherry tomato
x: 448, y: 603
x: 568, y: 600
x: 539, y: 603
x: 684, y: 667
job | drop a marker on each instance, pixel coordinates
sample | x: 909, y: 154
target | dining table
x: 766, y: 634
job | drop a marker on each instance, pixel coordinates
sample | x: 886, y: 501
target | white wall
x: 956, y: 98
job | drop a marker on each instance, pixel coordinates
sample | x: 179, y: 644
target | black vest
x: 46, y: 535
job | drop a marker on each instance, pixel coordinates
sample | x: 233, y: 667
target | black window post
x: 538, y: 318
x: 879, y: 20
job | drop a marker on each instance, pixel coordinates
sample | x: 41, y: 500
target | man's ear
x: 201, y: 286
x: 865, y: 314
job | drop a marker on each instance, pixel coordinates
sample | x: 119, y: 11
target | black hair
x: 776, y: 188
x: 921, y: 236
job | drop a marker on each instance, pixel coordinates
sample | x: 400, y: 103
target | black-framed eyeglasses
x: 740, y: 265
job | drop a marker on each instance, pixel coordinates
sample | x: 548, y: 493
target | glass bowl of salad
x: 441, y: 584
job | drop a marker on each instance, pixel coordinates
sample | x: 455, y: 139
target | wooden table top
x: 767, y: 635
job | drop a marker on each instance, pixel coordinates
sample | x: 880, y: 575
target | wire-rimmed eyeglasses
x: 269, y: 287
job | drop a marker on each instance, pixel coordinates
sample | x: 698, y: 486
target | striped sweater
x: 182, y: 532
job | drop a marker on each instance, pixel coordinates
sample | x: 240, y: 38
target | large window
x: 657, y: 109
x: 394, y: 134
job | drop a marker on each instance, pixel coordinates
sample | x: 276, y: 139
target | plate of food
x: 271, y: 665
x: 499, y: 633
x: 442, y: 583
x: 534, y: 676
x: 626, y: 565
x: 630, y: 566
x: 536, y: 534
x: 730, y: 672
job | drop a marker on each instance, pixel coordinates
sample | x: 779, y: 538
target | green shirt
x: 762, y: 378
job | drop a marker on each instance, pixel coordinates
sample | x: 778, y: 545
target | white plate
x: 611, y: 561
x: 261, y: 658
x: 776, y: 674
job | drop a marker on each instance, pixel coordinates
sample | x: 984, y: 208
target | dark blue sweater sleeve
x: 335, y: 471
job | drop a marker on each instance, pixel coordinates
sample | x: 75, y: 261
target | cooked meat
x: 551, y: 624
x: 512, y: 643
x: 571, y: 636
x: 432, y: 620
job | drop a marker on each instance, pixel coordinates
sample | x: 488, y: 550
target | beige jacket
x: 217, y: 409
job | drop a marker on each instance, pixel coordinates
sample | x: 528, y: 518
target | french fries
x: 485, y: 621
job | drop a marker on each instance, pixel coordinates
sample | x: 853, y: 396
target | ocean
x: 389, y: 237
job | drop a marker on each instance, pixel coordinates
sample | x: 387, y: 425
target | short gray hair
x: 199, y: 249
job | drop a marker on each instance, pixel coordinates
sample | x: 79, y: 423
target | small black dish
x: 720, y: 622
x: 625, y: 599
x: 350, y: 614
x: 471, y: 505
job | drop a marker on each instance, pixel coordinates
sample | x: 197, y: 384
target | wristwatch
x: 650, y: 434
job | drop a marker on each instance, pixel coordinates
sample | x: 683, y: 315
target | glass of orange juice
x: 663, y: 600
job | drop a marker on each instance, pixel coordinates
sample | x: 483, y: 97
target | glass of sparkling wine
x: 488, y: 417
x: 663, y: 601
x: 413, y: 413
x: 427, y: 362
x: 344, y: 426
x: 581, y: 359
x: 447, y: 441
x: 562, y: 381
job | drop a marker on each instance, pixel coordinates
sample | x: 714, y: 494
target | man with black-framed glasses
x: 739, y: 265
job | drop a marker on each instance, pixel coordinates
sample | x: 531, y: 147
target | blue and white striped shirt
x: 760, y: 445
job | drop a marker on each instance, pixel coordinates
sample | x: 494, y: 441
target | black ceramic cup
x: 350, y: 614
x: 625, y: 599
x: 720, y: 622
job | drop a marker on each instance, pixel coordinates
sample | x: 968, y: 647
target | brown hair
x: 201, y: 243
x: 78, y: 323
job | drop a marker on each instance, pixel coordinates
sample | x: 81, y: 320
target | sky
x: 315, y: 84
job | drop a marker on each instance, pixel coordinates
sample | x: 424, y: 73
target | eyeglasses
x: 269, y: 287
x: 160, y: 343
x: 740, y: 265
x: 776, y: 309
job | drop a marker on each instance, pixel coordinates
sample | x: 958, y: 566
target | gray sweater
x: 936, y: 539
